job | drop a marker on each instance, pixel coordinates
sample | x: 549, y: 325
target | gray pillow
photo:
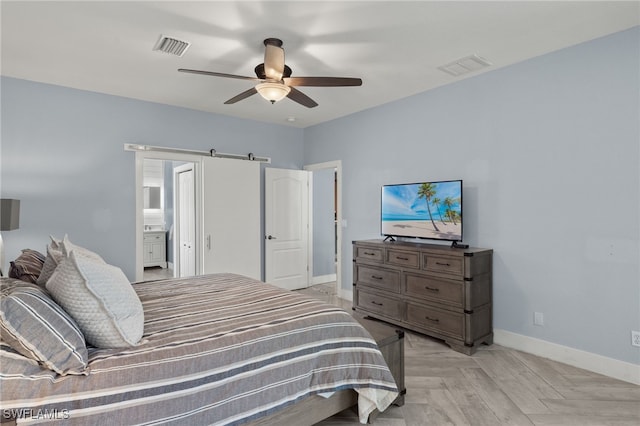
x: 28, y: 266
x: 100, y: 298
x: 36, y: 327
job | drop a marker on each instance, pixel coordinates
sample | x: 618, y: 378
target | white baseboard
x: 620, y: 370
x: 321, y: 279
x: 345, y: 294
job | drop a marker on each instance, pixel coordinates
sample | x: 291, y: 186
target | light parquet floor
x: 496, y: 386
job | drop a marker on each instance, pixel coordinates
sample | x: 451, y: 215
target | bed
x: 216, y: 349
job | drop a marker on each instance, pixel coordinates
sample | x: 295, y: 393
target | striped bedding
x: 217, y: 349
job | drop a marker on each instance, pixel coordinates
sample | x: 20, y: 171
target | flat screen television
x: 431, y: 210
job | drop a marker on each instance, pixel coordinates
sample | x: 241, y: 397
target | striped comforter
x: 217, y: 349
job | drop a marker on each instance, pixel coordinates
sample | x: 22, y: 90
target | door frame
x: 140, y: 156
x: 337, y: 166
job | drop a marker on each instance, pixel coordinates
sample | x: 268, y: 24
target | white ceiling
x: 395, y: 47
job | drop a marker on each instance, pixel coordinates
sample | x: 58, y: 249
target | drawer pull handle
x: 376, y: 303
x: 375, y: 277
x: 431, y: 288
x: 368, y: 253
x: 432, y: 319
x: 442, y: 264
x: 402, y: 258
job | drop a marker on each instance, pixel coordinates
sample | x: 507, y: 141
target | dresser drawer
x: 367, y: 253
x: 151, y: 237
x: 385, y: 279
x: 443, y: 322
x: 434, y: 289
x: 382, y: 305
x: 403, y: 258
x: 447, y: 265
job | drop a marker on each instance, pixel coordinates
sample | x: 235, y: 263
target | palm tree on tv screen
x: 427, y: 191
x: 436, y: 202
x: 450, y: 213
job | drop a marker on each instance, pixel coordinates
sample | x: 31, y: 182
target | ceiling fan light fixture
x: 273, y: 92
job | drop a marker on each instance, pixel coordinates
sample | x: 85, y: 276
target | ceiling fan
x: 275, y: 81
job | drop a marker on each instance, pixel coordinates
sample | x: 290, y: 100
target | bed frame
x: 311, y: 410
x: 305, y: 413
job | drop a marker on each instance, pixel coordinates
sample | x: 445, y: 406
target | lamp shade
x: 273, y: 92
x: 9, y: 214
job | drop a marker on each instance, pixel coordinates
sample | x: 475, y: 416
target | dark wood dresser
x: 433, y: 289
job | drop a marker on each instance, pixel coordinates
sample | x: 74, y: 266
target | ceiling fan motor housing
x: 273, y: 42
x: 259, y: 69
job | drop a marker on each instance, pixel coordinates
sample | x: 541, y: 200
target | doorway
x: 226, y: 191
x: 157, y: 226
x: 326, y: 220
x: 291, y: 251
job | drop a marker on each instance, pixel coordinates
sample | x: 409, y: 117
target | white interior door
x: 287, y: 228
x: 231, y: 217
x: 186, y: 221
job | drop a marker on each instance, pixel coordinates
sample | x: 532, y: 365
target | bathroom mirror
x: 152, y: 197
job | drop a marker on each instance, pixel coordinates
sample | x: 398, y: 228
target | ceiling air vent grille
x: 465, y: 65
x: 171, y: 45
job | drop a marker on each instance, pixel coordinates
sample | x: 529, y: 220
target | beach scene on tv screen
x: 423, y: 210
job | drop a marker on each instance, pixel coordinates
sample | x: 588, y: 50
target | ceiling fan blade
x: 299, y: 97
x: 242, y: 96
x: 219, y: 74
x: 322, y: 81
x: 273, y: 61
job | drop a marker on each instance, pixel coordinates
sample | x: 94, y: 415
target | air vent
x: 465, y: 65
x: 171, y: 45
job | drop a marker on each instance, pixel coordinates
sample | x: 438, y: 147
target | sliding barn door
x: 231, y: 217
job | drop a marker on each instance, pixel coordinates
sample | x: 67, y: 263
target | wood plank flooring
x: 496, y: 386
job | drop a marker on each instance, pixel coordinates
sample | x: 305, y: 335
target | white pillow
x: 100, y: 299
x: 66, y: 246
x: 54, y: 255
x: 56, y: 251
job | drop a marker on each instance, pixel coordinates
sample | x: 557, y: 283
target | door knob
x: 271, y: 237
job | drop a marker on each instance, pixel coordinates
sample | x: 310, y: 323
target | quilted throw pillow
x: 54, y: 255
x: 27, y: 266
x: 100, y: 299
x: 36, y: 327
x: 67, y: 246
x: 56, y: 251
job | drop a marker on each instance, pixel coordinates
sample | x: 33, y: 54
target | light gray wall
x: 323, y: 223
x: 63, y: 157
x: 549, y: 153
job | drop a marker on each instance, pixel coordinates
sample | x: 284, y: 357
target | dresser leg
x: 488, y: 340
